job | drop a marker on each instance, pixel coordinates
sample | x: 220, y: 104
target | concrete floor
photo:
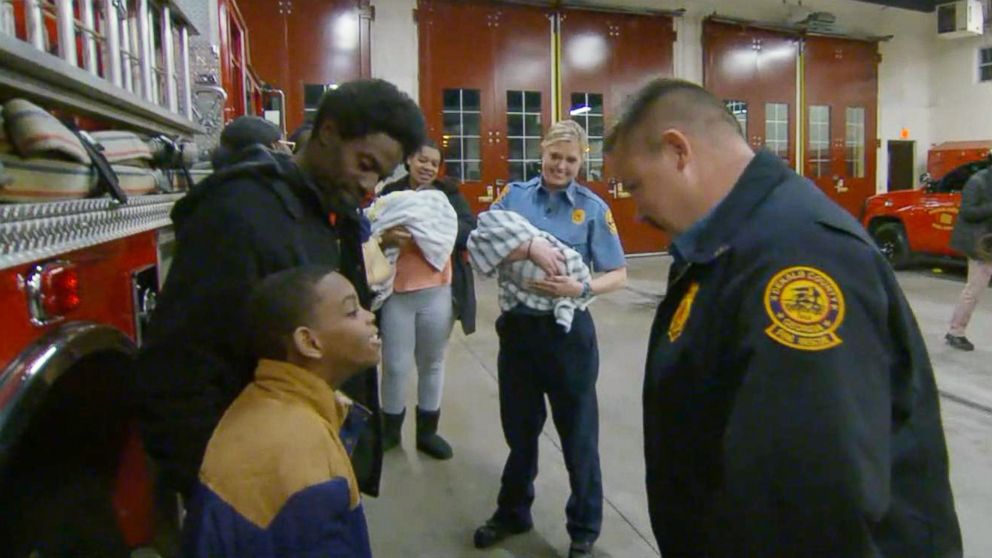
x: 430, y: 509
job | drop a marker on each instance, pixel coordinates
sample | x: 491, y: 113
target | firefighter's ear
x: 306, y: 343
x: 677, y: 143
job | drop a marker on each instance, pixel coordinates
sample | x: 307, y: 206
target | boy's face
x: 345, y: 333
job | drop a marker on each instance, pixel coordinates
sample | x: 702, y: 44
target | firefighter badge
x: 578, y: 216
x: 806, y: 307
x: 677, y: 325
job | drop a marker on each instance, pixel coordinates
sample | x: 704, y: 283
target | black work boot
x: 427, y: 439
x: 494, y: 530
x: 580, y: 549
x: 392, y: 426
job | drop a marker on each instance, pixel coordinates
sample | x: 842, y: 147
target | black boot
x: 392, y: 426
x: 427, y: 439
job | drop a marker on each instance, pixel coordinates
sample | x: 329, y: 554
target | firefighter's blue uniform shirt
x: 574, y: 215
x: 276, y: 480
x: 790, y: 409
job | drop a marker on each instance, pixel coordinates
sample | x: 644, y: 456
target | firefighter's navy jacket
x: 790, y: 408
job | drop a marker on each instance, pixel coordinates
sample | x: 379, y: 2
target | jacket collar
x: 344, y: 417
x: 761, y: 176
x: 331, y: 206
x: 568, y: 190
x: 296, y: 189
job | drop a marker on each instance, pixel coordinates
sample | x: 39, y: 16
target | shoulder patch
x: 502, y: 193
x: 611, y: 223
x: 677, y: 325
x: 806, y: 307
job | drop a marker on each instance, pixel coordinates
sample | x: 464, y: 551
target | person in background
x: 417, y: 318
x: 790, y: 409
x: 538, y: 358
x: 972, y: 228
x: 243, y: 132
x: 267, y: 213
x: 276, y: 479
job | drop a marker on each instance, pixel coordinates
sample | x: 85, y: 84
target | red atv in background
x: 914, y: 225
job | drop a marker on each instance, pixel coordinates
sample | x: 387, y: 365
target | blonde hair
x: 567, y: 130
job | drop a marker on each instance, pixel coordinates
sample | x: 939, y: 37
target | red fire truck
x: 915, y: 223
x: 78, y: 277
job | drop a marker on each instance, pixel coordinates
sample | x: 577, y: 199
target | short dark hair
x: 697, y: 106
x: 369, y: 106
x: 280, y: 303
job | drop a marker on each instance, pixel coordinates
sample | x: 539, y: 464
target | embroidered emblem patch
x: 502, y: 193
x: 578, y: 216
x: 610, y: 222
x: 677, y: 326
x: 806, y: 308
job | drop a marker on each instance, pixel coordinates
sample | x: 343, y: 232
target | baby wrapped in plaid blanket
x: 501, y: 232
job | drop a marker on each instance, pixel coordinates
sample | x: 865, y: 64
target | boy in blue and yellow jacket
x: 276, y: 479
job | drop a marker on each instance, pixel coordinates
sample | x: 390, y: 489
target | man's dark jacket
x: 462, y: 278
x: 790, y: 409
x: 975, y: 217
x: 256, y: 217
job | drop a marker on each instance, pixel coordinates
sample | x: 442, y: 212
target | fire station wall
x: 961, y: 103
x: 905, y: 96
x: 394, y: 44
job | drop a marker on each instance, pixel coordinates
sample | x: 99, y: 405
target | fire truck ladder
x: 126, y: 61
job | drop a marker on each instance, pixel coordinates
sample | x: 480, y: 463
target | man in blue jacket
x: 790, y: 408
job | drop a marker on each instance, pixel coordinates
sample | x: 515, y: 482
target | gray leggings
x: 415, y: 330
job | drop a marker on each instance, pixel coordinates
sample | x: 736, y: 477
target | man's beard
x: 340, y: 196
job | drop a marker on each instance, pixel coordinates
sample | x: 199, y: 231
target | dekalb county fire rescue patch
x: 806, y: 308
x: 502, y: 194
x: 610, y: 223
x: 677, y: 325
